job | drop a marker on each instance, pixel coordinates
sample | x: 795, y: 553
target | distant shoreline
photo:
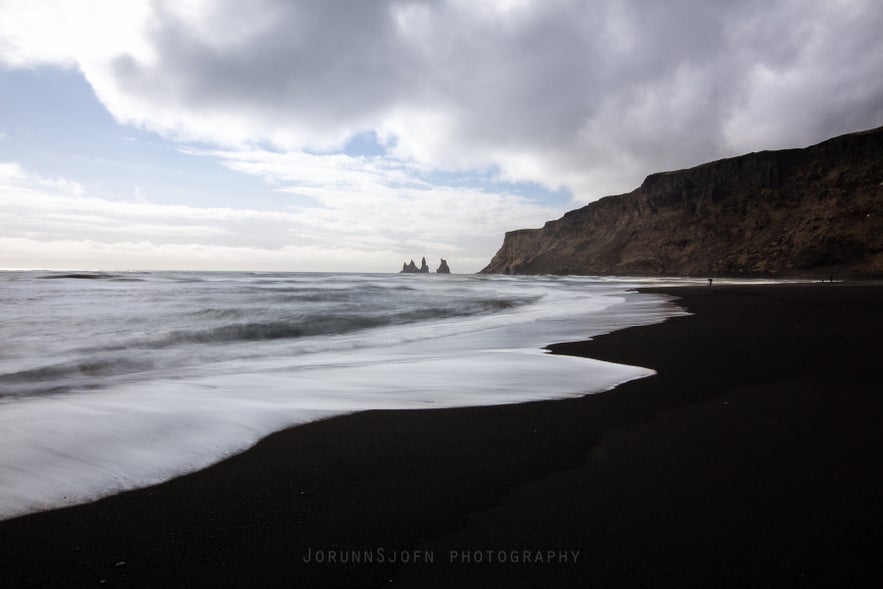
x: 750, y: 459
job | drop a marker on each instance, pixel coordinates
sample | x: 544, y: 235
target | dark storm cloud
x: 593, y: 95
x: 333, y: 60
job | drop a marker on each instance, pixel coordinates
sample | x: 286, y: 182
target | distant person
x: 709, y: 282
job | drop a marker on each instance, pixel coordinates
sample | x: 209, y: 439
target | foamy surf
x: 114, y: 382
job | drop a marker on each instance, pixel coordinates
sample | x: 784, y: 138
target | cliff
x: 816, y: 210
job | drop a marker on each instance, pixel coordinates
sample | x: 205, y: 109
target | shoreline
x: 101, y: 431
x: 749, y: 459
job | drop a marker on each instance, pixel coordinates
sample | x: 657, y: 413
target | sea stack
x: 443, y: 268
x: 411, y: 267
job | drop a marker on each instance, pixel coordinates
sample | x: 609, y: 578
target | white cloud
x: 146, y: 255
x: 356, y: 220
x: 72, y: 33
x: 367, y: 194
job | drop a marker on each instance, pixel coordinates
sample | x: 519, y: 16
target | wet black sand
x: 752, y: 459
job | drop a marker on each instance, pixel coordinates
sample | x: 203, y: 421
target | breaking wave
x: 111, y: 381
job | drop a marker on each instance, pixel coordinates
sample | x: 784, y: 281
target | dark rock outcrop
x: 411, y: 267
x: 443, y: 267
x: 816, y: 210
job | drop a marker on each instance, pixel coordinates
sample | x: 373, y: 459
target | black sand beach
x: 752, y: 459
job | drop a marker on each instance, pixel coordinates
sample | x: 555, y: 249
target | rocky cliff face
x: 817, y: 210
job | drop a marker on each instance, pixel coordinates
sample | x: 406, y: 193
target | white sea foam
x: 122, y: 381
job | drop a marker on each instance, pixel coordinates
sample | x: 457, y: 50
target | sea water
x: 111, y: 381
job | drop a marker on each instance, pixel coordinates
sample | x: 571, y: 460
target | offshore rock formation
x: 811, y: 211
x: 411, y: 268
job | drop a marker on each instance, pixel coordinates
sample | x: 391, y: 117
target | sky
x: 345, y: 135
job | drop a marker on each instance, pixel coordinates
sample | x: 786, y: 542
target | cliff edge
x: 816, y: 210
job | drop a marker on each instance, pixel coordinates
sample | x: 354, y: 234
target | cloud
x: 587, y: 95
x: 356, y: 218
x: 146, y: 255
x: 72, y: 34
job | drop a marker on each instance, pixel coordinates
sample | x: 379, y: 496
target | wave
x: 92, y: 276
x: 270, y: 330
x: 212, y: 333
x: 64, y: 376
x: 110, y: 386
x: 314, y: 325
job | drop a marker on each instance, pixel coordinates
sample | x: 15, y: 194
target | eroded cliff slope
x: 817, y: 210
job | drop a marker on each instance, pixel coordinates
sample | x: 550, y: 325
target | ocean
x: 112, y: 381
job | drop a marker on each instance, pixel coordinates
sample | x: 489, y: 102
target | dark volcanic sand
x: 752, y: 459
